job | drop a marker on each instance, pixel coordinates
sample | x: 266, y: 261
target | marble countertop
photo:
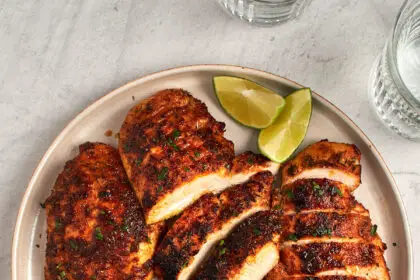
x: 58, y: 56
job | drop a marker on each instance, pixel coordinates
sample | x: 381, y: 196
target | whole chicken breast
x: 174, y: 151
x: 96, y: 228
x: 207, y: 222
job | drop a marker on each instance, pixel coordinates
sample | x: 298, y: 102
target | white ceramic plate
x: 378, y: 191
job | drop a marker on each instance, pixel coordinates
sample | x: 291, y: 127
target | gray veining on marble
x: 56, y: 57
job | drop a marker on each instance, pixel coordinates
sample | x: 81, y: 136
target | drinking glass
x: 264, y: 12
x: 395, y: 78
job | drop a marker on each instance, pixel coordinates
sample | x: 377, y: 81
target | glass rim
x: 392, y: 58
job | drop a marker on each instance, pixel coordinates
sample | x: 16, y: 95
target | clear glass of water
x: 264, y: 12
x: 395, y: 79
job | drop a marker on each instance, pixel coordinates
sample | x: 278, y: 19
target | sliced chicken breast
x: 96, y: 228
x: 174, y: 152
x: 335, y: 161
x: 326, y: 232
x: 249, y: 253
x: 206, y: 223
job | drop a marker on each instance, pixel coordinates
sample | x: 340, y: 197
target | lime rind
x: 247, y: 102
x: 283, y: 137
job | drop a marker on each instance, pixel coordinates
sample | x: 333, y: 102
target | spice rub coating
x: 328, y: 225
x: 279, y: 273
x: 326, y: 231
x: 167, y: 141
x: 242, y: 246
x: 207, y: 222
x: 313, y: 258
x: 96, y: 229
x: 316, y: 195
x: 330, y: 160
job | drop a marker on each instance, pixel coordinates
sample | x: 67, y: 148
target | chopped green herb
x: 58, y: 266
x: 111, y: 222
x: 98, y: 234
x: 250, y: 160
x: 138, y: 161
x: 292, y: 237
x: 337, y: 191
x: 42, y: 205
x: 102, y: 212
x: 394, y: 244
x: 373, y: 230
x: 163, y: 173
x: 204, y: 166
x: 104, y: 194
x: 227, y: 165
x: 176, y: 133
x: 277, y: 207
x: 222, y: 251
x: 322, y: 231
x: 222, y: 242
x: 173, y: 145
x: 124, y: 227
x: 185, y: 263
x: 93, y: 277
x: 126, y: 147
x: 329, y: 232
x: 317, y: 189
x: 186, y: 169
x: 149, y: 240
x: 257, y: 231
x: 197, y: 154
x: 73, y: 244
x: 159, y: 189
x: 290, y: 194
x: 62, y: 274
x: 58, y: 224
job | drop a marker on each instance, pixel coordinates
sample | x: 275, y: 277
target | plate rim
x: 196, y: 67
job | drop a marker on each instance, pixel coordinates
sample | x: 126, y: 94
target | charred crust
x: 252, y: 234
x: 208, y: 214
x: 316, y: 257
x: 307, y: 194
x: 324, y: 224
x: 177, y: 133
x: 93, y: 186
x: 325, y: 154
x: 249, y: 161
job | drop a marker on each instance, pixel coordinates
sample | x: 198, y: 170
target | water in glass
x: 395, y: 80
x: 264, y: 12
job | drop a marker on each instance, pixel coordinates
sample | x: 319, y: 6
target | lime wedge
x: 281, y: 139
x: 247, y: 102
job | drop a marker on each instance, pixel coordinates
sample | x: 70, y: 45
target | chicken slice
x: 279, y: 273
x: 328, y: 226
x: 314, y: 258
x: 208, y: 221
x: 250, y: 252
x: 329, y: 160
x: 313, y: 195
x: 96, y: 228
x: 174, y: 152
